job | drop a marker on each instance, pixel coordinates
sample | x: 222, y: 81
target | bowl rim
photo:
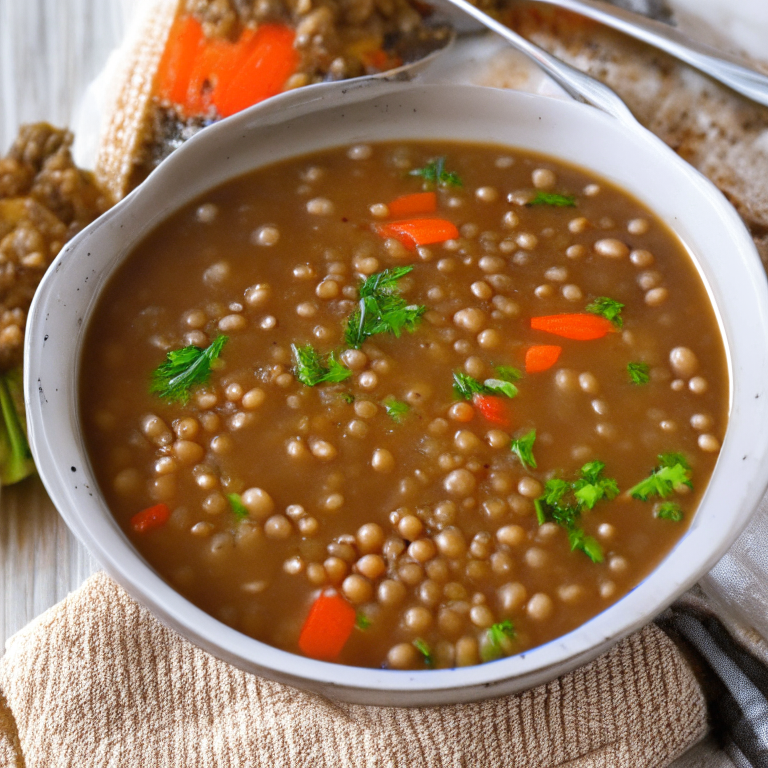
x: 72, y: 487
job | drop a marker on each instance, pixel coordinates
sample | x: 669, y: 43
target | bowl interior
x: 300, y: 122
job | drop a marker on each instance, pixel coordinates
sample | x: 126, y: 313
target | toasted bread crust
x: 128, y: 114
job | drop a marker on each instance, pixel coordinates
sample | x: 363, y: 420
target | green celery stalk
x: 15, y: 456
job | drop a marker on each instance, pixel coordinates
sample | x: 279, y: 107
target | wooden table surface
x: 49, y: 51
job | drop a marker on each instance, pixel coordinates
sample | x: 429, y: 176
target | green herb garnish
x: 550, y: 198
x: 381, y: 309
x: 500, y: 387
x: 639, y: 373
x: 347, y: 397
x: 421, y: 646
x: 591, y: 487
x: 396, y: 409
x: 589, y: 545
x: 498, y: 640
x: 672, y: 472
x: 185, y: 369
x: 311, y: 369
x: 362, y: 621
x: 435, y: 175
x: 237, y: 506
x: 466, y: 386
x: 523, y: 449
x: 669, y: 510
x: 608, y: 308
x: 563, y: 502
x: 508, y: 373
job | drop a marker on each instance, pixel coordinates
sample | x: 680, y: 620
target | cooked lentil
x: 419, y: 515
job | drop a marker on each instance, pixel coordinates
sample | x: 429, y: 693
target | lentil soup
x: 408, y: 405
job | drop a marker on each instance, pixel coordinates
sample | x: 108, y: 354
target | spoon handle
x: 575, y: 83
x: 727, y: 68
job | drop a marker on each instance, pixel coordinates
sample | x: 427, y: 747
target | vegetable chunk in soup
x: 410, y: 405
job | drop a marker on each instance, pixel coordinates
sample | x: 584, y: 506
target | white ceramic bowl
x: 303, y: 121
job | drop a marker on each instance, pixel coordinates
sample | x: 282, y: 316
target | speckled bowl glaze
x: 300, y: 122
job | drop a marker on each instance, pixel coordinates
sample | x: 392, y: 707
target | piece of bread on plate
x: 196, y: 61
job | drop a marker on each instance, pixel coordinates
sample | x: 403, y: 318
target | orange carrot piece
x: 380, y: 61
x: 150, y: 518
x: 495, y: 409
x: 410, y: 205
x: 216, y: 66
x: 581, y: 326
x: 185, y: 44
x: 413, y: 232
x: 327, y: 627
x: 271, y: 62
x: 541, y: 357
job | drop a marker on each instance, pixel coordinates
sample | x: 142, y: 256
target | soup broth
x: 410, y: 405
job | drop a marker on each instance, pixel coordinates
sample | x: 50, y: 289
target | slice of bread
x: 194, y: 61
x: 128, y: 112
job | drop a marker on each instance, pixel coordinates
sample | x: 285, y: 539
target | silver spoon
x: 576, y: 84
x: 729, y: 69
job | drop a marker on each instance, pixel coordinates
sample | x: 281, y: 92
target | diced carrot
x: 327, y: 627
x: 410, y: 205
x: 541, y: 357
x: 495, y: 409
x: 272, y: 60
x: 413, y: 232
x: 150, y: 518
x: 215, y: 68
x: 581, y: 326
x: 185, y: 43
x: 380, y: 61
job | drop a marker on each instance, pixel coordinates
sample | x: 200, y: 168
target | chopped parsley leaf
x: 237, y: 506
x: 563, y: 502
x: 435, y: 175
x: 669, y: 510
x: 639, y: 373
x: 554, y: 490
x: 347, y: 397
x: 500, y: 387
x: 310, y: 368
x: 592, y: 486
x: 381, y: 308
x: 396, y: 409
x: 673, y: 471
x: 184, y: 369
x: 466, y: 386
x: 501, y: 630
x: 498, y: 640
x: 550, y: 198
x: 362, y: 621
x: 508, y: 373
x: 586, y: 544
x: 673, y: 458
x: 523, y: 449
x: 608, y: 308
x: 424, y: 650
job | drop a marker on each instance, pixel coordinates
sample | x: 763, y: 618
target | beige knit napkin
x: 97, y: 681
